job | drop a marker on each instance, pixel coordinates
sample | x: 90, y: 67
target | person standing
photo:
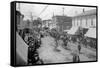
x: 79, y: 47
x: 76, y: 58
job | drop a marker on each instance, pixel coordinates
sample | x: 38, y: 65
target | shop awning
x: 66, y: 30
x: 73, y: 30
x: 91, y: 33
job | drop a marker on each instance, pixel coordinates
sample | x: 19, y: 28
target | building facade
x: 46, y: 23
x: 86, y: 19
x: 62, y: 22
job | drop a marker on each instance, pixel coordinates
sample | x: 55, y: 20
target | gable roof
x: 89, y: 12
x: 62, y: 18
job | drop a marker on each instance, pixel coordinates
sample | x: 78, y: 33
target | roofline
x: 55, y: 4
x: 80, y: 15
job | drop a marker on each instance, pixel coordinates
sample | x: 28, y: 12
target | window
x: 86, y: 22
x: 94, y: 21
x: 79, y: 22
x: 83, y: 22
x: 75, y: 22
x: 89, y: 22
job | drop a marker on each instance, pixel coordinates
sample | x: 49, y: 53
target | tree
x: 37, y: 22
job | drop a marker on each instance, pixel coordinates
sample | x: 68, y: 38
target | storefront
x: 77, y: 33
x: 91, y: 33
x: 91, y: 37
x: 72, y: 34
x: 73, y: 30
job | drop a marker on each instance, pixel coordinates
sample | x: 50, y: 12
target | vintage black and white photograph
x: 52, y: 34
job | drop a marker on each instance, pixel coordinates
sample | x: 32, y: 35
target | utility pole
x: 76, y: 12
x: 63, y: 10
x: 21, y: 24
x: 19, y: 6
x: 53, y: 14
x: 62, y: 20
x: 31, y: 17
x: 83, y: 10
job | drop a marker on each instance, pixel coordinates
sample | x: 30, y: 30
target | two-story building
x: 62, y: 22
x: 86, y: 19
x: 45, y: 23
x: 20, y: 23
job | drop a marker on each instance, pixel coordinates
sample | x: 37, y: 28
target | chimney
x: 83, y: 10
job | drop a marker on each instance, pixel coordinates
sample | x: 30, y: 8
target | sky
x: 49, y: 10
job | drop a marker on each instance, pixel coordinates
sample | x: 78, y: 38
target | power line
x: 43, y: 10
x: 31, y: 12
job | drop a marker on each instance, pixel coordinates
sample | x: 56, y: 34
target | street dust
x: 48, y: 51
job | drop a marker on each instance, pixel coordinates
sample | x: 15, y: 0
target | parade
x: 46, y: 44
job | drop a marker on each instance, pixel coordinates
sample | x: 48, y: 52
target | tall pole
x: 31, y: 16
x: 19, y: 6
x: 83, y: 10
x: 62, y: 21
x: 53, y: 14
x: 63, y: 10
x: 19, y: 17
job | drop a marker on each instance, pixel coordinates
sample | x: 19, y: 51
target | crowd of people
x: 33, y: 40
x: 37, y: 48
